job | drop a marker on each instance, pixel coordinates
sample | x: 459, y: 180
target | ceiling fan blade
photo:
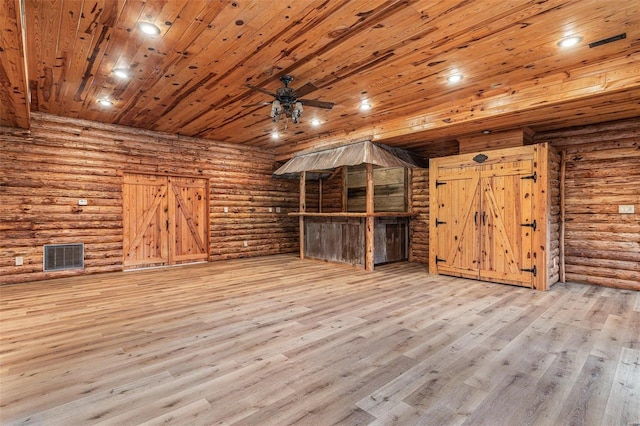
x: 256, y: 104
x: 259, y: 89
x: 317, y: 104
x: 306, y: 89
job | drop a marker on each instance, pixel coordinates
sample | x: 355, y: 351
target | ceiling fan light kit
x: 288, y: 102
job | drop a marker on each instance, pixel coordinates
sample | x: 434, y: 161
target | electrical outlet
x: 226, y: 209
x: 277, y: 209
x: 246, y: 243
x: 628, y: 209
x: 82, y: 202
x: 19, y: 261
x: 270, y: 209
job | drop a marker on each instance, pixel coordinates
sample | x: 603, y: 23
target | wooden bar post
x: 319, y: 195
x: 369, y: 236
x: 303, y: 208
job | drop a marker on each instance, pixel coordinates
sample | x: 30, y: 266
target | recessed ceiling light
x: 121, y: 73
x: 365, y: 106
x: 148, y: 28
x: 454, y: 78
x: 105, y: 102
x: 315, y: 122
x: 569, y: 41
x: 486, y: 132
x: 275, y: 135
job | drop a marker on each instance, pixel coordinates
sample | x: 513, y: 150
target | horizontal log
x: 602, y: 245
x: 606, y: 237
x: 612, y: 264
x: 582, y: 278
x: 602, y: 253
x: 596, y: 218
x: 597, y: 156
x: 613, y: 227
x: 621, y: 274
x: 580, y: 133
x: 592, y: 209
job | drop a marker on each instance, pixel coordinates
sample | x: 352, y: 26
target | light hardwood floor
x: 278, y: 341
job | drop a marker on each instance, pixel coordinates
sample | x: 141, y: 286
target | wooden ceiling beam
x: 14, y: 89
x: 530, y: 100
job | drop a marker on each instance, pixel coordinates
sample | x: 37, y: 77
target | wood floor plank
x: 623, y: 406
x: 278, y: 340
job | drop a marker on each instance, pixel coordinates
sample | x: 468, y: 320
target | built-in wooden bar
x: 358, y: 235
x: 342, y: 237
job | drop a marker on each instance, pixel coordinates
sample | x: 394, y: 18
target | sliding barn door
x: 165, y: 220
x: 457, y: 248
x: 507, y: 223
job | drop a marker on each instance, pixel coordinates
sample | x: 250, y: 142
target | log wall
x: 553, y: 219
x: 602, y: 246
x: 45, y: 171
x: 419, y: 200
x: 419, y: 226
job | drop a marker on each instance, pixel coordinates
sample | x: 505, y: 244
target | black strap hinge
x: 533, y: 225
x: 534, y: 177
x: 438, y: 260
x: 438, y: 183
x: 533, y: 270
x: 439, y: 222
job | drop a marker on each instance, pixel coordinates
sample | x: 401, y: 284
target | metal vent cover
x: 58, y: 257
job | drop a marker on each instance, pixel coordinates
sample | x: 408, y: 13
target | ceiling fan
x: 288, y: 101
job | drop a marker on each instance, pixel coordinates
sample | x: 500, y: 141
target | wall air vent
x: 608, y: 40
x: 58, y: 257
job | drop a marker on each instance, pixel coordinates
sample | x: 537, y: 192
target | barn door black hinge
x: 534, y: 177
x: 438, y: 183
x: 533, y: 225
x: 438, y: 260
x: 533, y: 270
x: 439, y: 222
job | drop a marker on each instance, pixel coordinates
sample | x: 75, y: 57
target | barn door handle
x: 167, y: 224
x: 484, y: 218
x: 475, y: 218
x: 530, y: 225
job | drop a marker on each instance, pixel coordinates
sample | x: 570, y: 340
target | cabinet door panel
x: 144, y: 221
x: 189, y: 215
x: 506, y: 206
x: 457, y: 233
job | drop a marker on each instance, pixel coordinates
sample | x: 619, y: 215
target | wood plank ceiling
x: 191, y: 78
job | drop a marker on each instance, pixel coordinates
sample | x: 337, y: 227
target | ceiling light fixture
x: 289, y: 110
x: 275, y: 135
x: 148, y: 28
x: 569, y: 41
x: 365, y: 106
x: 121, y: 73
x: 105, y: 102
x: 315, y: 122
x: 455, y: 78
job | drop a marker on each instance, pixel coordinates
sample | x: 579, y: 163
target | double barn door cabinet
x: 165, y: 220
x: 488, y: 215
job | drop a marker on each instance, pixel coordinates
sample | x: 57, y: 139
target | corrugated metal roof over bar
x: 349, y: 155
